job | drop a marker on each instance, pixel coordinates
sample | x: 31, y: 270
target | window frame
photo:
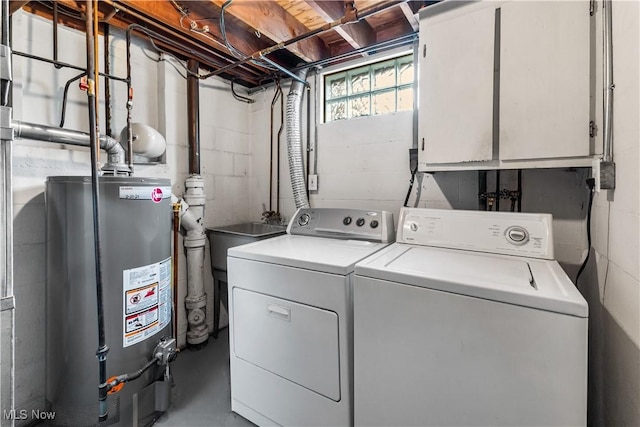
x: 369, y: 63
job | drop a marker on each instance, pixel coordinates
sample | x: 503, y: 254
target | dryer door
x: 295, y: 341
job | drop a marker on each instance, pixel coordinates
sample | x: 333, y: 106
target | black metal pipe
x: 129, y: 100
x: 482, y: 190
x: 308, y: 89
x: 4, y: 36
x: 5, y: 84
x: 102, y: 351
x: 55, y: 34
x: 498, y: 190
x: 65, y: 95
x: 278, y: 151
x: 519, y: 190
x: 276, y: 94
x: 193, y: 119
x: 65, y: 65
x: 107, y: 83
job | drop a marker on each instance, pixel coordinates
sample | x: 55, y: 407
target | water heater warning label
x: 147, y: 301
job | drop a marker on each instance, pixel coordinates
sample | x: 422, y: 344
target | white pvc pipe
x: 196, y: 299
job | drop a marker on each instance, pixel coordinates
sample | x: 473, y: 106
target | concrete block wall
x: 159, y: 101
x: 364, y: 163
x: 611, y: 282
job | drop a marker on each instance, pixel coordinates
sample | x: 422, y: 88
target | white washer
x: 480, y: 327
x: 291, y: 321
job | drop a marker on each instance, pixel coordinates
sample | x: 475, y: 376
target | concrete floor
x: 201, y: 395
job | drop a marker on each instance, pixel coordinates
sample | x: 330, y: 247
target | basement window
x: 380, y: 88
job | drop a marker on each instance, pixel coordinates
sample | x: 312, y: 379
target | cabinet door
x: 544, y: 79
x: 456, y: 86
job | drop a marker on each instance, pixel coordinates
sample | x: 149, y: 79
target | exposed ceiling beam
x: 15, y: 5
x: 164, y: 11
x: 410, y: 15
x: 273, y: 21
x: 357, y: 34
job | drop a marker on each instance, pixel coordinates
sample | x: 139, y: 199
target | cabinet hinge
x: 424, y: 50
x: 593, y: 130
x: 592, y: 7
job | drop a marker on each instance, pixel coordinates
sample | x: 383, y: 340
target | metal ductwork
x: 294, y: 141
x: 116, y: 164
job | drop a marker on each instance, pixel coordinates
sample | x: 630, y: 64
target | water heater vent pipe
x: 116, y: 154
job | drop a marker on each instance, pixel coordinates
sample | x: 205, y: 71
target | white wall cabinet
x: 505, y: 85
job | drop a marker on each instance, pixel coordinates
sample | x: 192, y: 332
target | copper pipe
x: 174, y: 268
x: 193, y: 116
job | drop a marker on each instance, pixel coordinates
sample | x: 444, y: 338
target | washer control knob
x: 304, y: 219
x: 413, y: 226
x: 517, y: 235
x: 374, y: 224
x: 346, y: 220
x: 360, y: 222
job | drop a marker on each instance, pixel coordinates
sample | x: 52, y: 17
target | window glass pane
x: 336, y: 86
x: 336, y: 110
x: 381, y: 88
x: 384, y: 102
x: 405, y: 99
x: 405, y: 72
x: 359, y: 106
x: 359, y: 80
x: 384, y: 75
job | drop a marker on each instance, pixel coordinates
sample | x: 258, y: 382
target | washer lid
x: 534, y: 283
x: 312, y: 253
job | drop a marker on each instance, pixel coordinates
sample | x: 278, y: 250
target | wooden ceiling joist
x: 357, y: 34
x: 15, y: 5
x: 273, y: 21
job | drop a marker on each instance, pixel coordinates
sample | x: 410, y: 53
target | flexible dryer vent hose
x: 294, y: 141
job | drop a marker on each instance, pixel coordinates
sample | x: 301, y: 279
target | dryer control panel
x: 355, y: 224
x: 509, y: 233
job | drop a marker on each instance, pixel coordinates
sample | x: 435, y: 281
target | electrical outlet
x: 313, y: 183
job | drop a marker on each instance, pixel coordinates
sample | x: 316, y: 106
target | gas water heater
x: 136, y: 267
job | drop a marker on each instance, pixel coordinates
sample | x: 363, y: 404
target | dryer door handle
x: 279, y: 311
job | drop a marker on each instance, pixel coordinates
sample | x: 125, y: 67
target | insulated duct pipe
x: 294, y: 141
x: 116, y: 164
x: 196, y: 300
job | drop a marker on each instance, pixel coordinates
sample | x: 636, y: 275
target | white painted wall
x: 611, y: 280
x: 160, y: 101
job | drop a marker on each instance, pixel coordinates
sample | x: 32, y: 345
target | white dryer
x: 467, y: 320
x: 290, y: 317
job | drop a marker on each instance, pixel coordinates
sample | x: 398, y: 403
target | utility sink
x: 223, y: 238
x: 220, y: 240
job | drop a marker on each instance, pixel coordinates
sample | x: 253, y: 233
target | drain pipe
x: 196, y: 300
x: 116, y: 164
x: 194, y: 241
x: 294, y: 140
